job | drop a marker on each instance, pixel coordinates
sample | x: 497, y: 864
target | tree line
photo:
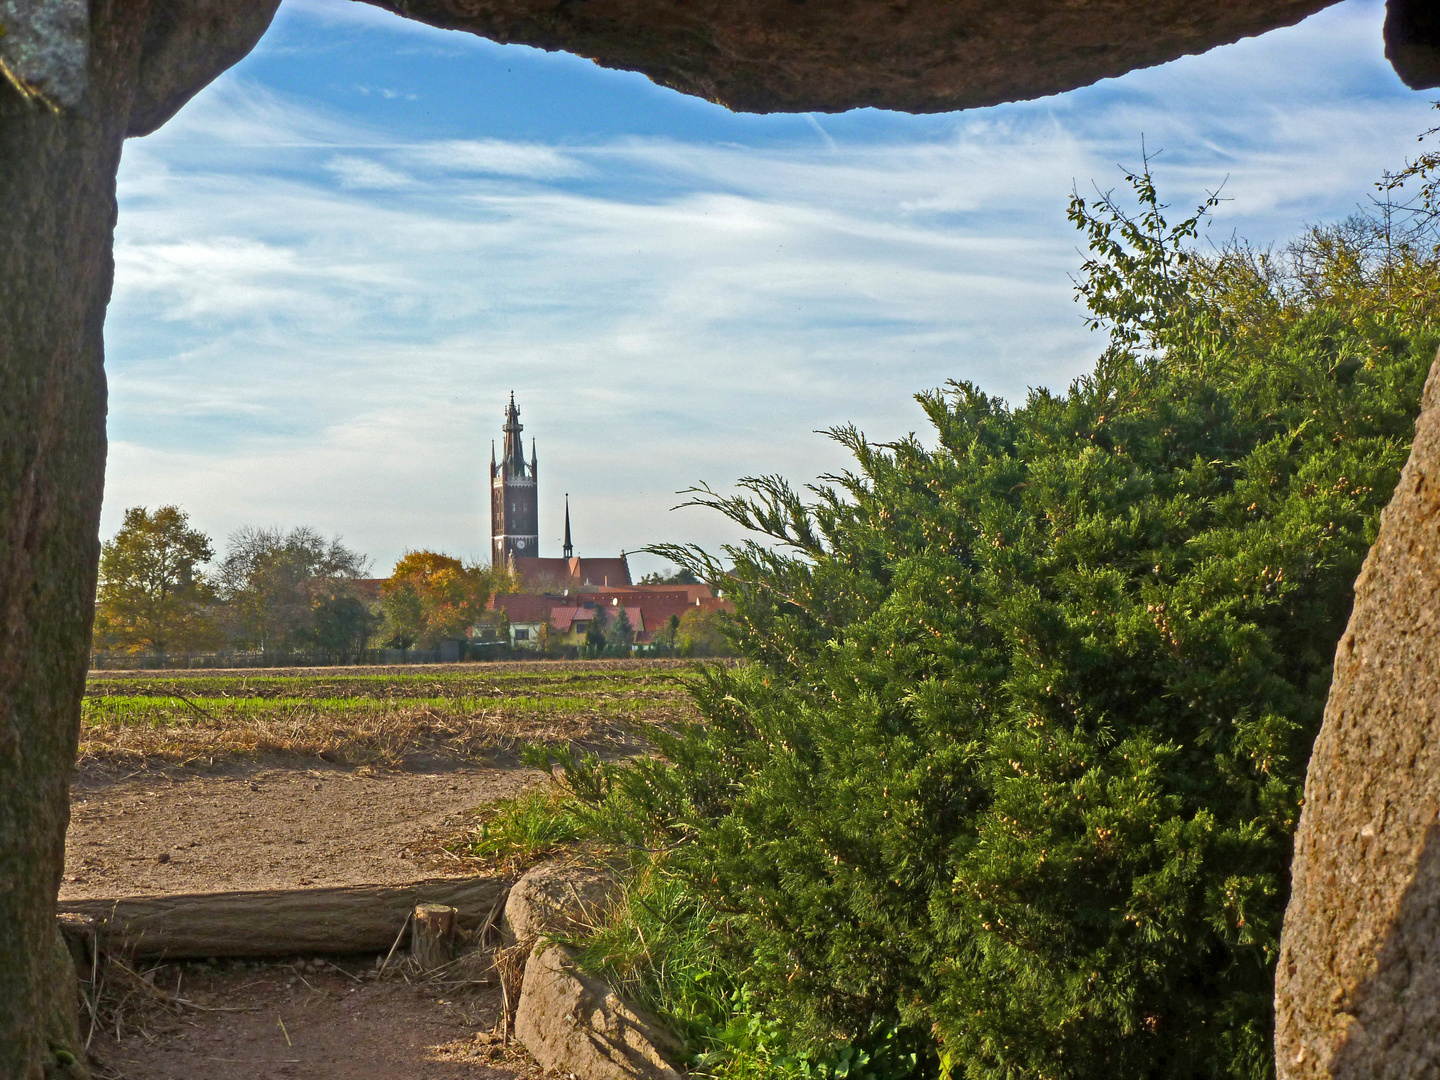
x: 275, y: 593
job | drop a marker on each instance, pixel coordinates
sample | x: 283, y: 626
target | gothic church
x: 515, y: 522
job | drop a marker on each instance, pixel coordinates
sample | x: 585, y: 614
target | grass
x: 359, y: 716
x: 661, y: 944
x: 514, y: 834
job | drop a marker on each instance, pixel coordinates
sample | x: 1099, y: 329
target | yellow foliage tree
x: 431, y: 597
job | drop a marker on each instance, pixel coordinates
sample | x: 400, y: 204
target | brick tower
x: 514, y: 509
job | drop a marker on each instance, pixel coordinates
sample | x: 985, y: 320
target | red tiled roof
x: 649, y: 610
x: 573, y: 572
x: 692, y: 592
x: 562, y: 618
x: 524, y: 607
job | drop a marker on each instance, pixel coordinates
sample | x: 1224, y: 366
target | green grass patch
x: 519, y: 832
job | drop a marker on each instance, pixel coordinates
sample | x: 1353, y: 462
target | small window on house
x: 522, y: 635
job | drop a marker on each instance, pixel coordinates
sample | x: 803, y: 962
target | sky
x: 338, y: 261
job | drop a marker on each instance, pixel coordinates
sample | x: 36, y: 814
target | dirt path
x: 307, y: 1021
x: 266, y: 828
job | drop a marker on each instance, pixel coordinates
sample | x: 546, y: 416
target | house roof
x: 648, y: 610
x: 524, y: 607
x: 563, y: 618
x: 699, y: 591
x: 576, y: 572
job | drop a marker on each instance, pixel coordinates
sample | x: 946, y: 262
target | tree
x: 667, y: 634
x: 435, y: 597
x: 402, y: 615
x: 272, y: 582
x: 621, y: 634
x: 151, y: 596
x: 682, y: 576
x: 595, y: 640
x: 702, y: 633
x: 343, y: 624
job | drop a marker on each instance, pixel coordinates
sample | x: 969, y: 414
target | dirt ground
x: 183, y: 832
x: 306, y: 1020
x: 166, y: 828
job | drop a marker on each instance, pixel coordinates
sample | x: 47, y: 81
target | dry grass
x: 359, y: 717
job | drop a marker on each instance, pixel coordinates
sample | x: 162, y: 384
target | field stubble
x: 381, y: 717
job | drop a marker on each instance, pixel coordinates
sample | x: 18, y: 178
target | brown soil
x: 280, y: 823
x: 305, y: 1021
x: 269, y: 828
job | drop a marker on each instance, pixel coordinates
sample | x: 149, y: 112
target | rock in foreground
x: 574, y: 1023
x: 1357, y: 990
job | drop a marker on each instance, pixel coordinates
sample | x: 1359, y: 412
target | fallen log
x: 281, y: 922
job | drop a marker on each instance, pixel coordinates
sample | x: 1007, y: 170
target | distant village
x: 563, y: 603
x: 290, y: 597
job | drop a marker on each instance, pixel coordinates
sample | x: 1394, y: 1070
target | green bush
x: 1017, y: 762
x: 1008, y: 786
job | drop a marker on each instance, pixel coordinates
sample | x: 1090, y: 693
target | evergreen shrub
x: 1014, y: 768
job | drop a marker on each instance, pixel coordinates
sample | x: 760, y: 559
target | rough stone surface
x: 574, y: 1024
x: 1412, y: 41
x: 1358, y: 986
x: 57, y: 200
x: 829, y: 55
x: 187, y: 43
x: 45, y: 48
x: 554, y: 899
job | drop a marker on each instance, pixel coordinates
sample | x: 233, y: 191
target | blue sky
x: 336, y: 263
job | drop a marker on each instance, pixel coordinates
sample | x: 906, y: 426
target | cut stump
x: 432, y: 935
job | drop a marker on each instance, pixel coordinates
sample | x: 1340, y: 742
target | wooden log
x: 432, y: 935
x: 282, y: 922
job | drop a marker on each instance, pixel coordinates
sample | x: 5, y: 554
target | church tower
x: 514, y: 510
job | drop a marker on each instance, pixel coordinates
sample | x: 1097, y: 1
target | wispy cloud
x: 317, y: 314
x: 366, y: 174
x: 495, y: 156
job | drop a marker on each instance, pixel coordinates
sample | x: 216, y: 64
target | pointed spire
x: 569, y: 547
x: 533, y: 461
x: 513, y: 458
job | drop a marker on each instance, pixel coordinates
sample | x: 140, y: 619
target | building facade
x: 514, y: 505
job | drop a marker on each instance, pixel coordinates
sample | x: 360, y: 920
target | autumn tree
x: 431, y: 597
x: 151, y: 596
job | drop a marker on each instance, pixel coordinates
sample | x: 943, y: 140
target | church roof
x: 572, y: 573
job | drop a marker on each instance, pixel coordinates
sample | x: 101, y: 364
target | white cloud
x: 316, y: 318
x: 495, y: 156
x: 364, y: 174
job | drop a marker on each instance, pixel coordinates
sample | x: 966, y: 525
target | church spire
x: 513, y: 459
x: 514, y: 516
x: 569, y: 547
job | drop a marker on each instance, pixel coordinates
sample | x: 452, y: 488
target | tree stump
x: 432, y: 935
